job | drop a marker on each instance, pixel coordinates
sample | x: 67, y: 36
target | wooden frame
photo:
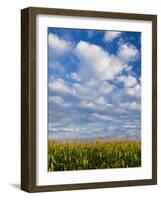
x: 28, y: 98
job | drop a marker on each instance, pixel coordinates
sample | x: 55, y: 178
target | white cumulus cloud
x: 59, y: 46
x: 59, y: 101
x: 128, y: 52
x: 94, y: 106
x: 130, y: 105
x: 59, y: 85
x: 101, y: 117
x: 129, y: 81
x: 100, y: 101
x: 97, y: 63
x: 111, y: 35
x: 134, y: 91
x: 92, y: 89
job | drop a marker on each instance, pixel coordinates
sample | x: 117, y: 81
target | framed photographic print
x: 88, y: 99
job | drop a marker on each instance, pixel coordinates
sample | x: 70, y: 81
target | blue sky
x: 94, y: 84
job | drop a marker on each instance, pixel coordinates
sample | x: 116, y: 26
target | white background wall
x: 10, y: 99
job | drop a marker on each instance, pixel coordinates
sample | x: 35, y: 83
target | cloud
x: 130, y: 105
x: 88, y: 105
x: 128, y: 52
x: 134, y: 91
x: 95, y: 106
x: 66, y: 130
x: 111, y: 35
x: 82, y: 91
x: 59, y: 101
x: 100, y: 101
x: 129, y: 81
x: 105, y: 88
x: 59, y: 85
x: 56, y: 68
x: 96, y: 62
x: 74, y: 76
x: 128, y: 69
x: 92, y: 89
x: 59, y: 46
x: 101, y: 117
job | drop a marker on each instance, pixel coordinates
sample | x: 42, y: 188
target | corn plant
x: 93, y: 155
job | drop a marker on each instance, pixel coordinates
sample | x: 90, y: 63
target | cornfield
x: 94, y: 155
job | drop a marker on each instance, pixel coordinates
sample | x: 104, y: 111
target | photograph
x: 94, y: 99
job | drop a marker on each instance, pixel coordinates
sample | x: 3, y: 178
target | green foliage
x: 96, y: 155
